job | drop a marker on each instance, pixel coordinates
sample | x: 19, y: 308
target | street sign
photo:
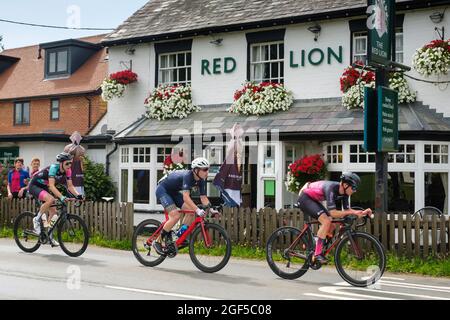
x: 387, y: 120
x: 381, y: 26
x: 370, y: 120
x: 7, y: 155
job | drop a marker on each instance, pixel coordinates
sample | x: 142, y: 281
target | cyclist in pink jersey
x: 313, y: 194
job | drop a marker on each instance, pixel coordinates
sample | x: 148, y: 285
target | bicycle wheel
x: 213, y: 257
x: 142, y: 249
x: 24, y: 234
x: 73, y: 235
x: 360, y: 259
x: 287, y: 254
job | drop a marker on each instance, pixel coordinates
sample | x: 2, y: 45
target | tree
x: 1, y: 45
x: 96, y: 183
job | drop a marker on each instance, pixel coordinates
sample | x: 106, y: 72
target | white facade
x: 306, y: 81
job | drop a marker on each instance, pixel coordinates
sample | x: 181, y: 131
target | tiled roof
x: 310, y: 117
x: 161, y: 17
x: 25, y: 78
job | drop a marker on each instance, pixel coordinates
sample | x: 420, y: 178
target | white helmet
x: 200, y: 163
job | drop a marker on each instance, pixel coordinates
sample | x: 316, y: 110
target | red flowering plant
x: 114, y: 86
x: 171, y: 165
x: 124, y: 77
x: 351, y: 76
x: 307, y: 169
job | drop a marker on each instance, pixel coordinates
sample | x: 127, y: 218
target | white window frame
x: 419, y: 167
x: 254, y: 61
x: 176, y: 67
x: 358, y: 35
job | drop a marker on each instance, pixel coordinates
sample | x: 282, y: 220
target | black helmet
x: 63, y: 156
x: 351, y: 178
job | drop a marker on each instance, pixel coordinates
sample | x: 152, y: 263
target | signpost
x: 381, y: 106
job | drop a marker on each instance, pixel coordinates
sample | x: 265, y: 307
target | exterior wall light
x: 217, y: 42
x: 316, y: 30
x: 437, y: 17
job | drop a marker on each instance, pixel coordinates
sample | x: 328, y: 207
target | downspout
x: 89, y: 112
x: 116, y: 145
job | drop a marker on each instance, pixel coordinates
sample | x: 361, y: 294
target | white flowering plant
x: 263, y: 98
x: 354, y: 97
x: 112, y: 89
x: 398, y: 83
x: 167, y: 102
x: 433, y: 59
x: 114, y: 86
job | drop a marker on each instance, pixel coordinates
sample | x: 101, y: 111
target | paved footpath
x: 112, y: 274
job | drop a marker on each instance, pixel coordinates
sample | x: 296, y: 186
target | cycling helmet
x: 351, y: 178
x: 63, y: 156
x: 200, y: 163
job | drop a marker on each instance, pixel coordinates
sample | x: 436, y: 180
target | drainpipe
x: 109, y: 155
x: 89, y: 112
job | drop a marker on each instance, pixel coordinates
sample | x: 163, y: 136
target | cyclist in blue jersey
x: 174, y: 192
x: 310, y: 202
x: 44, y: 182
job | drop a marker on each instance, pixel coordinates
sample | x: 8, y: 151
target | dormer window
x: 57, y: 62
x: 64, y: 58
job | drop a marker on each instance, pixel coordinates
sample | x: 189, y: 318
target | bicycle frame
x: 342, y: 230
x: 192, y: 226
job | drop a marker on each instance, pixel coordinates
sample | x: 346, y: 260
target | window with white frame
x: 125, y: 155
x: 175, y: 68
x: 360, y: 47
x: 267, y: 62
x: 359, y: 155
x: 163, y: 153
x: 399, y: 45
x: 406, y: 154
x: 334, y: 153
x: 436, y: 153
x: 141, y: 154
x: 360, y: 43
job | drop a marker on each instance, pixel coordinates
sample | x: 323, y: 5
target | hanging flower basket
x: 167, y: 102
x: 307, y: 169
x: 259, y: 99
x: 114, y: 86
x: 170, y: 166
x: 354, y: 80
x: 433, y: 59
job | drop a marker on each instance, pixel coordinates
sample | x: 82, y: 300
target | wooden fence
x: 400, y: 233
x: 112, y: 221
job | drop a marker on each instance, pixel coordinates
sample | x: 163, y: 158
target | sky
x: 72, y: 13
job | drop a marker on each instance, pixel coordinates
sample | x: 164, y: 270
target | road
x: 111, y: 274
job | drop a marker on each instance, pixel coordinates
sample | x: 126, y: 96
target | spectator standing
x: 17, y: 180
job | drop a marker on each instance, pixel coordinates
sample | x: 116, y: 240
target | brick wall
x: 74, y: 116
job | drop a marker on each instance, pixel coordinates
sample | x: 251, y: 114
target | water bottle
x: 182, y: 230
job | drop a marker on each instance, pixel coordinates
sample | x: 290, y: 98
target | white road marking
x: 392, y: 278
x: 176, y: 295
x: 415, y: 286
x: 338, y: 290
x: 330, y: 296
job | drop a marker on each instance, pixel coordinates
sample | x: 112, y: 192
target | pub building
x: 215, y: 46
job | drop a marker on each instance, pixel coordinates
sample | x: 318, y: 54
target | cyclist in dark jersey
x: 174, y: 192
x: 45, y: 181
x: 310, y: 202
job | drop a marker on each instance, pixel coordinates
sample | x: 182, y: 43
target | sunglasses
x: 68, y: 163
x: 204, y: 170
